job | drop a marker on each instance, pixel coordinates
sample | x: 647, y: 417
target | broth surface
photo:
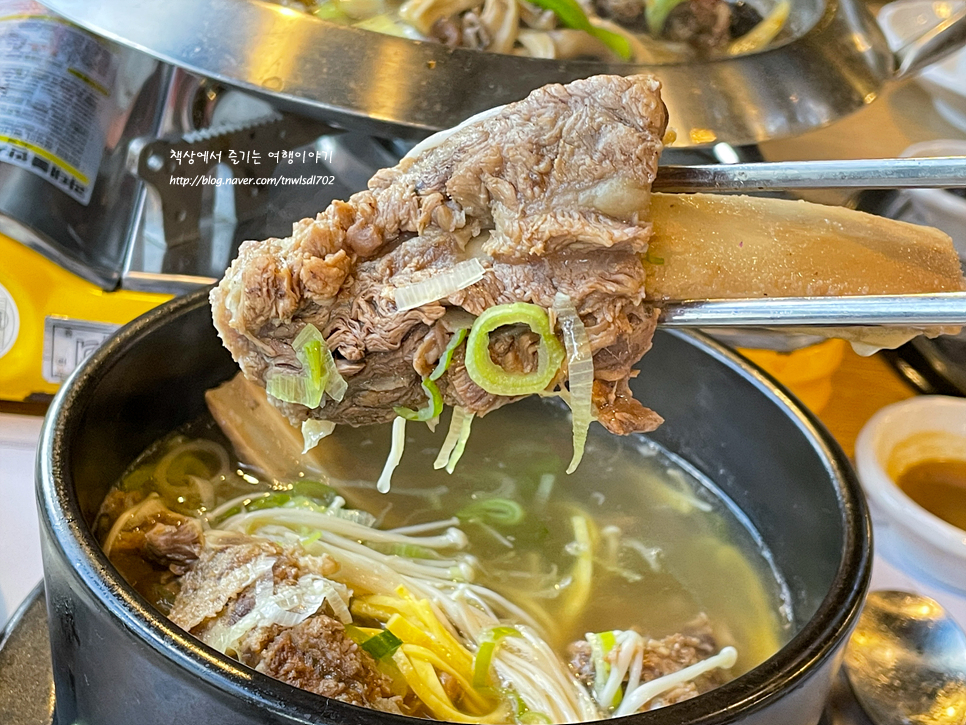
x: 668, y: 545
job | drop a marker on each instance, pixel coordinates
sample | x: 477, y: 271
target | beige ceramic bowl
x: 894, y: 439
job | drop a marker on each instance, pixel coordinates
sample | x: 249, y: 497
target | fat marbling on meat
x: 548, y: 193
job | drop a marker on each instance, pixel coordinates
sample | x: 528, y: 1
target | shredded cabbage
x: 441, y: 284
x: 314, y: 430
x: 493, y: 378
x: 395, y: 454
x: 580, y: 367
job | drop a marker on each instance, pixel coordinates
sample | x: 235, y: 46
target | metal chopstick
x: 914, y: 310
x: 946, y: 171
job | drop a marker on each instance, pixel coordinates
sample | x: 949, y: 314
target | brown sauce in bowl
x: 939, y: 486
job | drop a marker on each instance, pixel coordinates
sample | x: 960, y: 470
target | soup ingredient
x: 439, y: 285
x: 494, y: 378
x: 395, y: 454
x: 580, y: 373
x: 939, y: 486
x: 762, y: 34
x: 461, y: 618
x: 259, y: 433
x: 546, y: 193
x: 572, y: 15
x: 452, y: 448
x: 278, y: 586
x: 625, y: 670
x: 645, y: 31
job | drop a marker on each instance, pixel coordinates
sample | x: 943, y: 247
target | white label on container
x: 68, y: 343
x: 55, y: 92
x: 9, y: 321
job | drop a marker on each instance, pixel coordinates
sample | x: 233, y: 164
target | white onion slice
x: 335, y: 384
x: 439, y: 285
x: 464, y: 435
x: 395, y: 454
x: 314, y: 430
x: 452, y: 436
x: 580, y: 366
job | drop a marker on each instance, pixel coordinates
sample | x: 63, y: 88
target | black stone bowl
x: 118, y: 661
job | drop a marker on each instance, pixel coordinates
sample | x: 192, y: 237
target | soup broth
x: 666, y: 546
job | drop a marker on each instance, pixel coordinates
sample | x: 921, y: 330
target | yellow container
x: 806, y: 372
x: 51, y: 320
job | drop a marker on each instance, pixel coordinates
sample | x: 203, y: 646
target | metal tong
x: 938, y: 172
x: 913, y: 310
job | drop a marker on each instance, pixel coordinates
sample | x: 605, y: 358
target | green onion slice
x: 493, y: 378
x: 382, y: 645
x: 452, y: 437
x: 656, y: 12
x: 580, y: 371
x: 306, y: 386
x: 447, y: 357
x: 483, y: 659
x: 433, y: 407
x: 497, y: 511
x: 601, y: 645
x: 573, y: 16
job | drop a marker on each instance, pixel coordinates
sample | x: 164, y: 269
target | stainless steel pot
x: 836, y: 61
x: 118, y: 661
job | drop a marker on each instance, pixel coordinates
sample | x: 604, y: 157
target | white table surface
x: 20, y: 567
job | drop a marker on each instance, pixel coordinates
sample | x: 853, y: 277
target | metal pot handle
x: 932, y: 46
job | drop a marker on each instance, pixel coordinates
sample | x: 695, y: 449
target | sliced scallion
x: 433, y: 407
x: 452, y: 436
x: 483, y: 660
x: 306, y: 386
x: 573, y: 16
x: 447, y: 357
x: 382, y: 645
x: 440, y: 285
x: 496, y: 511
x: 493, y: 378
x: 314, y: 430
